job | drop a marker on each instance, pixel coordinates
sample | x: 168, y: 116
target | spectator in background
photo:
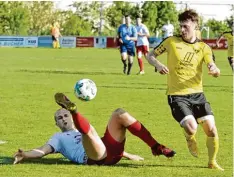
x: 142, y: 43
x: 55, y: 33
x: 167, y: 30
x: 127, y: 35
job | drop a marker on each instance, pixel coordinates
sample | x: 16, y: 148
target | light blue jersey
x: 124, y: 31
x: 69, y: 144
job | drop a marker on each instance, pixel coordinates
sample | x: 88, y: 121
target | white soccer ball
x: 85, y: 89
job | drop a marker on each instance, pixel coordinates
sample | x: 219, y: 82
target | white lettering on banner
x: 9, y: 41
x: 31, y: 41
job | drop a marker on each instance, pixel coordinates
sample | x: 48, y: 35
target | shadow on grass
x: 138, y: 165
x: 127, y: 87
x: 62, y: 161
x: 68, y: 72
x: 47, y: 161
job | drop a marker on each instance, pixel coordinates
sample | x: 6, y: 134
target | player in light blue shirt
x: 86, y: 146
x: 68, y: 143
x: 127, y: 35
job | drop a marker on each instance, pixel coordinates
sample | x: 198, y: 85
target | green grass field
x: 30, y: 77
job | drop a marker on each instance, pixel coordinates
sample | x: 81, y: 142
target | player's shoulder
x: 58, y: 134
x: 174, y: 38
x: 227, y: 33
x: 202, y: 44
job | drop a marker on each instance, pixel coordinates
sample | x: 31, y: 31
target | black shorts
x: 230, y: 59
x: 54, y: 38
x: 191, y: 104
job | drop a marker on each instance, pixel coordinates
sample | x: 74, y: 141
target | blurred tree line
x: 36, y: 17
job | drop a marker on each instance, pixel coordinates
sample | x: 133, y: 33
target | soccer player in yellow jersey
x: 229, y: 37
x: 189, y: 107
x: 55, y: 32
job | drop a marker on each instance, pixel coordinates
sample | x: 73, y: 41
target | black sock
x: 125, y: 63
x: 129, y: 67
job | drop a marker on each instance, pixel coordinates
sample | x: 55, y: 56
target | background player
x: 127, y: 36
x: 167, y: 30
x: 142, y: 43
x: 229, y: 37
x: 55, y: 32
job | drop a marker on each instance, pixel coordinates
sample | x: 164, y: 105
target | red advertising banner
x: 84, y: 42
x: 111, y: 43
x: 212, y: 43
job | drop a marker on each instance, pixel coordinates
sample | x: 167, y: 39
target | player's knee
x: 189, y: 123
x: 208, y: 124
x: 139, y: 54
x: 118, y: 112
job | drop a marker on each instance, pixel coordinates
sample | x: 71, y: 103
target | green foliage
x: 76, y: 26
x: 217, y: 27
x: 36, y: 17
x: 116, y: 12
x: 42, y: 16
x: 14, y: 18
x: 157, y: 13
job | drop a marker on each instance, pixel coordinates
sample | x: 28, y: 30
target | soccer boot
x: 141, y: 72
x: 124, y: 69
x: 214, y: 165
x: 159, y: 149
x: 64, y: 102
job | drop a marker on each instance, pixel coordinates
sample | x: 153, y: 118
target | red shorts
x: 114, y: 150
x: 143, y: 49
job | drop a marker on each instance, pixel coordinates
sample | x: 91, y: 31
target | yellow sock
x: 58, y: 45
x: 212, y: 144
x: 187, y: 136
x: 54, y: 44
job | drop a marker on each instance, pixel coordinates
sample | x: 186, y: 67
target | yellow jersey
x: 229, y: 37
x: 184, y: 61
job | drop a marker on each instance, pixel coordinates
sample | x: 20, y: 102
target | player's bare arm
x: 218, y: 40
x: 153, y: 61
x: 20, y: 155
x: 213, y: 69
x: 131, y: 38
x: 132, y: 156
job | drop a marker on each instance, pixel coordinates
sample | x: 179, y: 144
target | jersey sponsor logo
x: 161, y: 49
x: 188, y: 57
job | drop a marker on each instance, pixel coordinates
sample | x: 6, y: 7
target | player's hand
x: 19, y: 156
x: 135, y: 157
x: 214, y: 71
x: 121, y: 41
x: 127, y: 38
x: 141, y: 34
x: 162, y: 69
x: 217, y: 44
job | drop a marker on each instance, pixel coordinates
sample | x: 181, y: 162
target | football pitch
x: 29, y: 78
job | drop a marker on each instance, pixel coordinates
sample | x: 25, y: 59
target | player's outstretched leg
x: 122, y: 120
x: 94, y: 147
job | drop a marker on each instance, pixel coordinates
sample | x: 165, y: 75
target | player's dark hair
x: 188, y: 15
x: 127, y: 16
